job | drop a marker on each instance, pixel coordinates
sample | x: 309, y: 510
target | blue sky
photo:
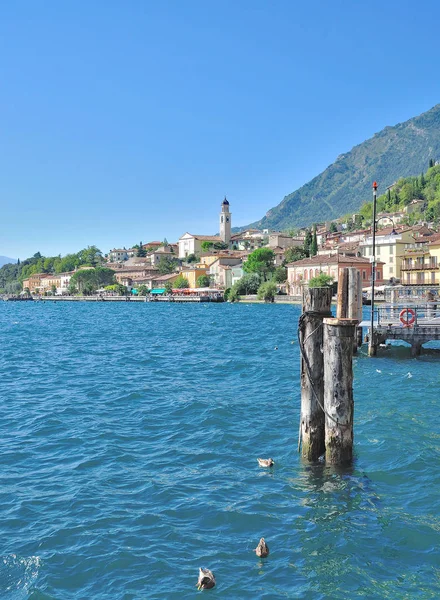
x: 128, y: 121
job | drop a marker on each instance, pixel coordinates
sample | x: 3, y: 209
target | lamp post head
x: 375, y: 186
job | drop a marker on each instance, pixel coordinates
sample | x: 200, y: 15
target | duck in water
x: 206, y: 579
x: 265, y: 462
x: 262, y: 549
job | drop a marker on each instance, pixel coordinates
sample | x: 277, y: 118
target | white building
x: 192, y: 244
x: 389, y: 249
x: 118, y: 255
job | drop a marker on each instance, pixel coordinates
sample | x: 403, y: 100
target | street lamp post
x: 372, y: 346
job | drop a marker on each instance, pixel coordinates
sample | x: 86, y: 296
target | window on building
x: 391, y: 270
x: 364, y: 275
x: 432, y: 277
x: 391, y: 259
x: 391, y: 249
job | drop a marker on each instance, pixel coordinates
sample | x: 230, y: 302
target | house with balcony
x: 390, y: 245
x: 421, y: 262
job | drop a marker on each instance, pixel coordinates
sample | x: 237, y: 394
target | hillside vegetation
x: 400, y: 151
x: 12, y: 275
x: 424, y: 187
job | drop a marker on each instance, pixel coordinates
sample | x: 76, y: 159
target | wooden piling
x: 338, y: 389
x: 342, y: 298
x: 316, y: 306
x: 354, y: 308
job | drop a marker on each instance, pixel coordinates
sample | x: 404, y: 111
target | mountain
x: 4, y: 260
x: 394, y: 152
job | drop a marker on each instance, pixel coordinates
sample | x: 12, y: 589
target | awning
x: 158, y: 292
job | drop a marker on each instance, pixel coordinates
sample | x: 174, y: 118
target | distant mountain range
x: 394, y: 152
x: 4, y: 260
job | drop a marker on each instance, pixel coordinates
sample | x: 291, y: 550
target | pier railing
x: 427, y: 313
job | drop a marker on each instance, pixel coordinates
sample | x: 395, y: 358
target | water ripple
x: 129, y: 438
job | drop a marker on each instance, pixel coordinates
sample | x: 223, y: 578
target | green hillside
x: 400, y: 151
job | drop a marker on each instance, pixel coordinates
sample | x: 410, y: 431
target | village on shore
x: 404, y: 254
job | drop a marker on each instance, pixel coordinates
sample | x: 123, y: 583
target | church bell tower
x: 225, y: 222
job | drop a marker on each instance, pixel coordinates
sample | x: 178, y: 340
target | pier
x: 415, y: 324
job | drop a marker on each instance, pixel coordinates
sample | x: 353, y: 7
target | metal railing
x: 408, y: 314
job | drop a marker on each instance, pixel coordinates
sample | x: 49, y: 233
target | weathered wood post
x: 354, y: 310
x: 316, y: 306
x: 338, y: 389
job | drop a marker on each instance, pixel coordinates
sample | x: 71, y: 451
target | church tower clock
x: 225, y: 222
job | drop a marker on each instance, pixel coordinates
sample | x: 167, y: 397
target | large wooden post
x: 354, y: 310
x: 338, y: 389
x: 316, y: 306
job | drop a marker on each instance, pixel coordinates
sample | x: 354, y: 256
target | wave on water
x: 17, y: 576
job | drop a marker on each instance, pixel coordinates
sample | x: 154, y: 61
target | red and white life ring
x: 405, y: 317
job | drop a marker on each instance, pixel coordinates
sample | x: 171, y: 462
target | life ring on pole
x: 405, y: 317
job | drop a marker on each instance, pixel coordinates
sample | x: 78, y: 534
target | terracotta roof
x: 166, y: 277
x: 330, y: 259
x: 432, y: 239
x: 207, y: 238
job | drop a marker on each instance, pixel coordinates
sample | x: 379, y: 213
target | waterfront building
x: 420, y: 262
x: 220, y: 271
x: 390, y: 245
x: 141, y: 272
x: 301, y: 271
x: 161, y: 280
x: 207, y: 258
x: 193, y: 273
x: 237, y: 273
x: 33, y: 282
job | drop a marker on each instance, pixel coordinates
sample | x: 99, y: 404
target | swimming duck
x: 262, y: 549
x: 265, y: 462
x: 206, y: 579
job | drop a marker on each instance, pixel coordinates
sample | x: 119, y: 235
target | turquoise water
x: 129, y: 443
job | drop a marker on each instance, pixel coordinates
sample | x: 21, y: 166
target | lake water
x: 129, y: 437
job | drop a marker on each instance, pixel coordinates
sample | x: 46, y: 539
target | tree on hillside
x: 333, y: 227
x: 267, y: 291
x: 206, y: 246
x: 314, y: 244
x: 181, y: 282
x: 141, y: 251
x: 294, y: 253
x: 248, y: 284
x: 203, y: 281
x: 90, y: 256
x: 88, y: 281
x: 431, y: 163
x: 280, y: 274
x: 260, y: 261
x: 308, y: 242
x: 143, y: 290
x: 167, y: 265
x: 220, y: 246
